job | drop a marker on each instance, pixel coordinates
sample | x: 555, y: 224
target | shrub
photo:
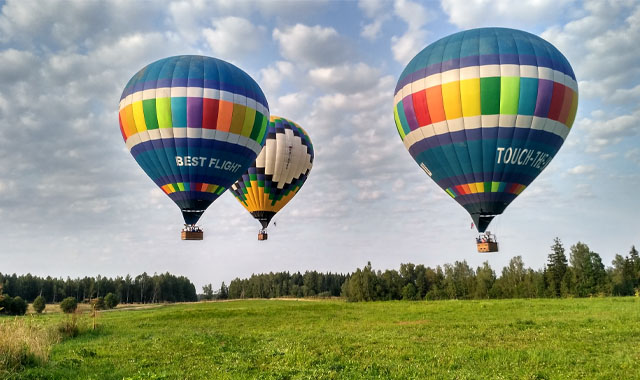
x: 5, y: 304
x: 99, y: 304
x: 70, y: 327
x: 69, y: 305
x: 39, y: 304
x: 18, y: 306
x: 111, y: 300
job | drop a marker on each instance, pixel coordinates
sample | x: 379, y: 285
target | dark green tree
x: 485, y: 278
x: 207, y: 292
x: 556, y: 268
x: 409, y: 292
x: 223, y: 293
x: 18, y: 306
x: 69, y: 305
x: 589, y: 275
x: 39, y: 304
x: 111, y: 300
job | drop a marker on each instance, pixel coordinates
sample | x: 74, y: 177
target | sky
x: 73, y: 201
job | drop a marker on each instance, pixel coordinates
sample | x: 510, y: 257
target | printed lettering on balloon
x: 523, y: 157
x: 209, y: 162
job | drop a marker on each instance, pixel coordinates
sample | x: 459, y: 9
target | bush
x: 70, y: 327
x: 5, y: 304
x: 69, y: 305
x: 98, y: 304
x: 39, y: 304
x: 18, y: 306
x: 111, y: 300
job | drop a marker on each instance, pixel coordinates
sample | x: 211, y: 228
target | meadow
x: 589, y: 338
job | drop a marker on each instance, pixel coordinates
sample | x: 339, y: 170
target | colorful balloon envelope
x: 278, y: 173
x: 483, y: 112
x: 194, y: 124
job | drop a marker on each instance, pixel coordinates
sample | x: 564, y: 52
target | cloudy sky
x: 73, y: 202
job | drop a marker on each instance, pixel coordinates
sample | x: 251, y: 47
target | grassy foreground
x: 280, y: 339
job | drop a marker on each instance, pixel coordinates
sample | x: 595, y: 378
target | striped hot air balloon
x: 483, y: 112
x: 277, y: 174
x: 194, y: 124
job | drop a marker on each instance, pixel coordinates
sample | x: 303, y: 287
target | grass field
x: 286, y: 339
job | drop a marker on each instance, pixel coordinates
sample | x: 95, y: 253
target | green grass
x: 505, y: 339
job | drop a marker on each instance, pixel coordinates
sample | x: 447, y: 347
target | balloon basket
x: 192, y: 235
x: 262, y: 235
x: 487, y: 247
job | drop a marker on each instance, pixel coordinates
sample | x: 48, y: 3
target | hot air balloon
x: 277, y: 174
x: 483, y: 112
x: 194, y: 124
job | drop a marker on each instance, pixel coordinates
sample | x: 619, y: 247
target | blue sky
x: 73, y: 202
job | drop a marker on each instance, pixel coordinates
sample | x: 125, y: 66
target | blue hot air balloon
x: 194, y: 124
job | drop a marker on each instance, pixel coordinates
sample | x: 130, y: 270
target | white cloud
x: 73, y: 24
x: 375, y: 11
x: 406, y: 46
x: 414, y: 14
x: 312, y: 45
x: 582, y: 169
x: 606, y: 133
x: 371, y: 8
x: 234, y: 37
x: 371, y: 31
x: 467, y: 14
x: 602, y: 47
x: 345, y: 78
x: 272, y: 77
x: 17, y: 65
x: 291, y: 106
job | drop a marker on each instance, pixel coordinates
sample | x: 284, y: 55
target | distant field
x: 505, y: 339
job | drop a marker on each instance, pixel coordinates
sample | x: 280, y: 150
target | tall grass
x: 24, y: 341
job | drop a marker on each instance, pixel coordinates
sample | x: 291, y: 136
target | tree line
x: 143, y: 288
x: 282, y: 284
x: 581, y: 274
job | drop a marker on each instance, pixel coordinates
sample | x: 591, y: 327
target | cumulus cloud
x: 603, y: 132
x: 346, y: 78
x: 291, y: 106
x: 73, y: 24
x: 602, y: 47
x: 313, y: 45
x: 272, y: 77
x: 234, y: 37
x: 17, y: 65
x: 415, y: 15
x: 467, y: 14
x: 374, y: 10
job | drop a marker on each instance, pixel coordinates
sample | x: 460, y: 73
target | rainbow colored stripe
x: 484, y: 111
x: 193, y: 124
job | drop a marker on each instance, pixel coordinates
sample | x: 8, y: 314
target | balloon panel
x: 279, y: 171
x: 193, y: 124
x: 484, y: 111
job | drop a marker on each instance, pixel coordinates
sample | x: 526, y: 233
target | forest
x: 139, y: 289
x: 577, y: 273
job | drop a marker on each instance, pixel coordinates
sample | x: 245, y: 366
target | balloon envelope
x: 483, y: 112
x: 194, y: 124
x: 279, y: 171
